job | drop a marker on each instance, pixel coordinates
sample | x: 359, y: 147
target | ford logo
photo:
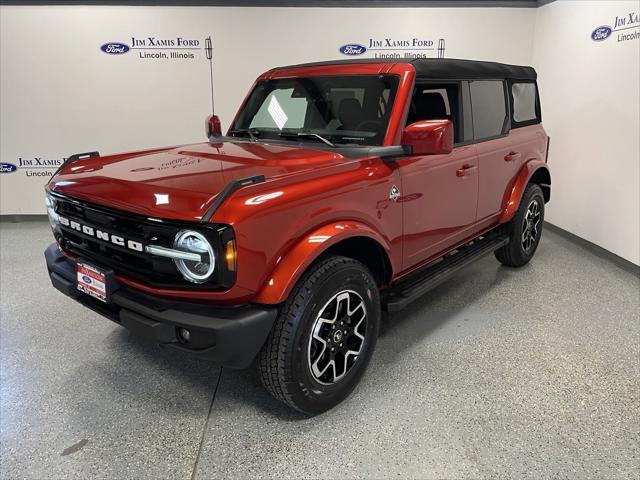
x: 353, y: 49
x: 7, y: 168
x: 114, y: 48
x: 601, y: 33
x: 86, y: 279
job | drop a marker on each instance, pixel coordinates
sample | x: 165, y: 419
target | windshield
x: 331, y: 109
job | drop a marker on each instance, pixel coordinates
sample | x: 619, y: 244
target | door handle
x: 465, y: 170
x: 511, y: 156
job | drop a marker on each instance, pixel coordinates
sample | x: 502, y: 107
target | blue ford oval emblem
x: 7, y: 167
x: 86, y: 279
x: 353, y: 49
x: 601, y: 33
x: 114, y: 48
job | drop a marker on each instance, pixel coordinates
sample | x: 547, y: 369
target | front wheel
x: 323, y: 337
x: 524, y: 229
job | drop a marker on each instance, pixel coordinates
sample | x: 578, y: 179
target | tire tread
x: 509, y: 254
x: 272, y: 357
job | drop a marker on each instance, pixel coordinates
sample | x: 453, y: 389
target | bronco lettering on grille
x: 101, y: 235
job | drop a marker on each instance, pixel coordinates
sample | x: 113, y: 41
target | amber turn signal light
x: 230, y: 255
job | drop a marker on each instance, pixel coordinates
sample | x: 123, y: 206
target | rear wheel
x: 323, y: 337
x: 524, y: 229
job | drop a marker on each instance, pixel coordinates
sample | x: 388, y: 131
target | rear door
x: 499, y: 159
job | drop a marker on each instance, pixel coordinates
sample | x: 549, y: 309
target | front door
x: 439, y: 197
x: 439, y: 192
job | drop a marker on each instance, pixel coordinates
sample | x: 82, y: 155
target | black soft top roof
x: 444, y: 68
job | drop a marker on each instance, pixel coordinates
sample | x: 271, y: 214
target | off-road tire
x: 284, y: 362
x: 514, y: 254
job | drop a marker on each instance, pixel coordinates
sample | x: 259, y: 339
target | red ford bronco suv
x: 340, y: 190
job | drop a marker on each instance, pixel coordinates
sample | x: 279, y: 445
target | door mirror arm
x: 395, y: 153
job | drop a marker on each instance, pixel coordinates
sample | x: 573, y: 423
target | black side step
x: 406, y: 291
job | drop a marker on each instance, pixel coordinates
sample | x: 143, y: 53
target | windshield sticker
x: 277, y: 113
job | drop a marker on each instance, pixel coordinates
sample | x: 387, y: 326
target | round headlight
x: 51, y: 211
x: 194, y: 242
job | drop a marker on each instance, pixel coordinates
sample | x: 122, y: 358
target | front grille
x: 140, y: 266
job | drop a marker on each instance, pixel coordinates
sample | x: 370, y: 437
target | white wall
x: 590, y: 104
x: 60, y: 94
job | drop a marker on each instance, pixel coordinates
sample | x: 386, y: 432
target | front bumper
x: 229, y: 336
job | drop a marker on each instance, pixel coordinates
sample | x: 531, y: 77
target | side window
x: 445, y: 97
x: 524, y: 102
x: 489, y: 108
x: 437, y: 102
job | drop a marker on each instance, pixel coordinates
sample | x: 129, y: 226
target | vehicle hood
x: 181, y: 183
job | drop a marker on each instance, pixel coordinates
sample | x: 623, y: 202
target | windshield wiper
x: 253, y: 133
x: 308, y: 134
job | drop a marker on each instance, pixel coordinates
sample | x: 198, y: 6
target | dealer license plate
x: 92, y: 281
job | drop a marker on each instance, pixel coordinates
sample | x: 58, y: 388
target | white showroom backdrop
x: 591, y: 109
x: 61, y: 94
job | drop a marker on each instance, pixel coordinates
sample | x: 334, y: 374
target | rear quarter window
x: 525, y: 103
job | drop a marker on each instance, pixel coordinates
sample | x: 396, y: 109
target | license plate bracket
x: 94, y: 281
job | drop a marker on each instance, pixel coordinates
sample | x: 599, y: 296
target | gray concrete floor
x: 498, y: 373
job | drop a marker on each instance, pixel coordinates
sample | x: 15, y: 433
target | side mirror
x: 212, y: 126
x: 429, y: 137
